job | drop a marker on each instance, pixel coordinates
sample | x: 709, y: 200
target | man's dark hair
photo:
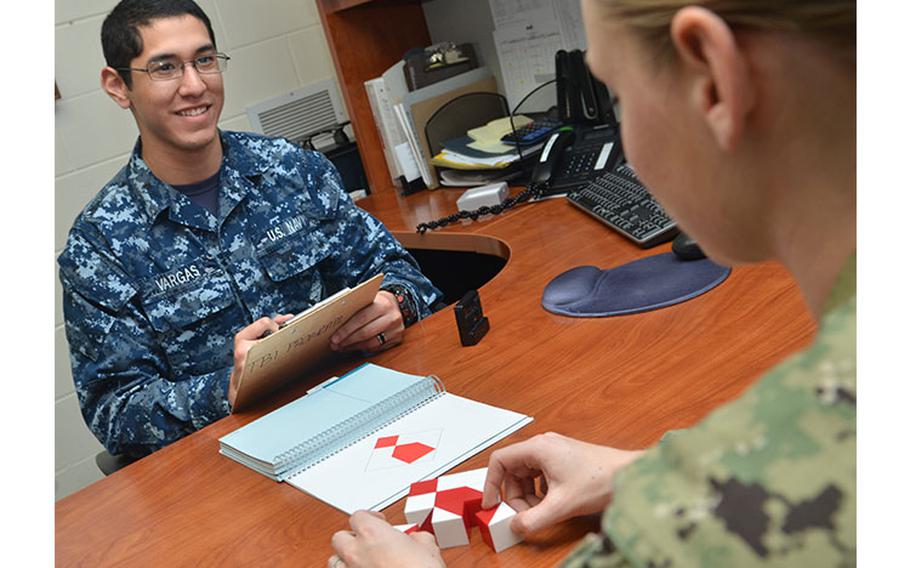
x: 120, y: 37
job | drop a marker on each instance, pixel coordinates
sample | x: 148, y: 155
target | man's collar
x: 150, y: 191
x: 156, y: 196
x: 240, y: 158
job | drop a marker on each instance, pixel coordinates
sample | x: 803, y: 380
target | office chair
x: 456, y: 117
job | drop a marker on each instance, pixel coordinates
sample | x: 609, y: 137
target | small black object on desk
x: 472, y: 324
x: 686, y: 248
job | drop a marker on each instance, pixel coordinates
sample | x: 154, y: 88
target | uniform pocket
x: 196, y: 321
x: 291, y: 256
x: 180, y: 307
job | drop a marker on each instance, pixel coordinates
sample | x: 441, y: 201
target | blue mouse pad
x: 646, y: 284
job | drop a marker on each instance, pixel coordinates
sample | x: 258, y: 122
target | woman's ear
x: 716, y: 71
x: 115, y: 87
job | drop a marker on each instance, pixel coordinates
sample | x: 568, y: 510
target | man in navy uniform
x: 204, y: 241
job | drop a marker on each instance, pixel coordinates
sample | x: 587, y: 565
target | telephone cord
x: 533, y: 190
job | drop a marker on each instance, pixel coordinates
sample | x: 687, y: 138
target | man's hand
x: 245, y: 339
x: 576, y: 478
x: 374, y: 543
x: 362, y: 331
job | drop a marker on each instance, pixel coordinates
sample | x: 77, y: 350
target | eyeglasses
x: 172, y: 68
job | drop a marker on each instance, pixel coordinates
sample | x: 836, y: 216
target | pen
x: 292, y: 320
x: 281, y: 326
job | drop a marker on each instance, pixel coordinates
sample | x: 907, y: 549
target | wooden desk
x: 621, y: 381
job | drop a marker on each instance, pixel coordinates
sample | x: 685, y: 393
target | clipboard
x: 301, y: 343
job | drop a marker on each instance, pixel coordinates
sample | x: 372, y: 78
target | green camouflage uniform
x: 769, y: 479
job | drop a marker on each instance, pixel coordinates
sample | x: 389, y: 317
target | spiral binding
x: 355, y: 428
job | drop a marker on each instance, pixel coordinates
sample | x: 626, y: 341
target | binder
x: 413, y: 145
x: 358, y: 441
x: 390, y: 134
x: 412, y: 109
x: 301, y: 343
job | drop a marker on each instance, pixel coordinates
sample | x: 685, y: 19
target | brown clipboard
x: 276, y: 359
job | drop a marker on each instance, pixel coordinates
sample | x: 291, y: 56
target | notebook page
x: 379, y: 469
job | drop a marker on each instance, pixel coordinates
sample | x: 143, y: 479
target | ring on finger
x: 380, y: 337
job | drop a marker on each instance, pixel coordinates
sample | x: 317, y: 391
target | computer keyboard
x: 620, y: 201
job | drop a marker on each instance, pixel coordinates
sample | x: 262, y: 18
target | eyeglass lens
x: 172, y: 68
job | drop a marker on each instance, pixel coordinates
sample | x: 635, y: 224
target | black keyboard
x: 619, y: 200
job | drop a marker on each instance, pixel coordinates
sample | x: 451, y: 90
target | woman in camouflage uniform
x: 740, y: 116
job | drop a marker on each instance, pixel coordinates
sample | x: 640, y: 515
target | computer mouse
x: 686, y: 248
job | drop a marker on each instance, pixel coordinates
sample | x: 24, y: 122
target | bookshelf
x: 365, y: 38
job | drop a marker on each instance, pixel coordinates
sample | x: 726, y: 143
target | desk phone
x: 585, y: 153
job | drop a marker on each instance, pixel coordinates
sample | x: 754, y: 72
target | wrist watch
x: 405, y: 302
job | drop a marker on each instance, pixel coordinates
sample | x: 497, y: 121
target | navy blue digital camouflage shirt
x: 155, y: 287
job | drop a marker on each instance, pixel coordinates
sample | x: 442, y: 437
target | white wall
x: 275, y: 47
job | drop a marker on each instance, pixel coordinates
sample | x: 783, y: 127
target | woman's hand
x: 374, y: 543
x: 576, y: 478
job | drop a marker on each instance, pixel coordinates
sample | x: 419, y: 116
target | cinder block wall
x: 275, y: 46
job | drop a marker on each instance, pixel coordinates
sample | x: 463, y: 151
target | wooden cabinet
x: 366, y: 38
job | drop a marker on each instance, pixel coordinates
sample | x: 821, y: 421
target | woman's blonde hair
x: 831, y: 21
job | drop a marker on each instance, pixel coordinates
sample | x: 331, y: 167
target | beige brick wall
x: 275, y: 47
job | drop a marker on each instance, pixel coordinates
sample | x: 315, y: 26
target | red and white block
x: 407, y: 528
x: 449, y: 506
x: 494, y: 527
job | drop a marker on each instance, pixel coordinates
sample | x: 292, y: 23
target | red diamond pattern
x: 386, y: 442
x: 409, y: 453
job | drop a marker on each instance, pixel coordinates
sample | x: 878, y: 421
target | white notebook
x: 358, y: 441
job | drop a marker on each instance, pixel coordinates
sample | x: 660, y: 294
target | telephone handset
x: 552, y: 151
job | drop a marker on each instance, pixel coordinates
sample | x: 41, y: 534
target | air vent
x: 299, y: 113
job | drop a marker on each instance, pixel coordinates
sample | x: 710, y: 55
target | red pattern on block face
x: 412, y: 452
x: 463, y: 501
x: 421, y: 487
x: 484, y: 516
x: 386, y: 442
x: 427, y: 525
x: 483, y: 523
